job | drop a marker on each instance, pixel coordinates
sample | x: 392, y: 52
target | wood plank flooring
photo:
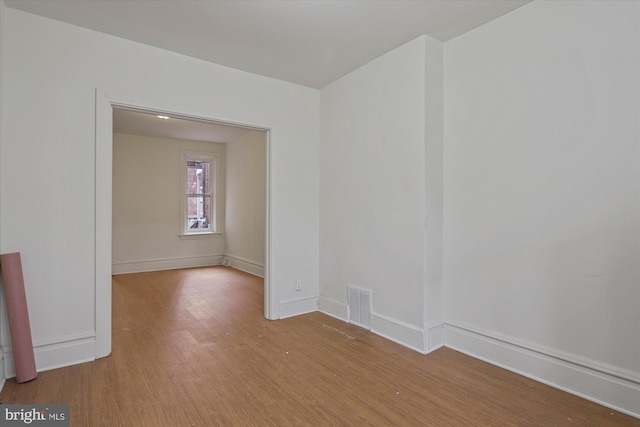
x: 192, y: 348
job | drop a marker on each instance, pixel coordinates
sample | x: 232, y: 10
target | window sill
x: 199, y: 234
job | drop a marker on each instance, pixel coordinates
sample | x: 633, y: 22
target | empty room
x: 442, y: 226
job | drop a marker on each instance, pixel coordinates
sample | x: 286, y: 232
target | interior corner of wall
x: 434, y: 336
x: 333, y: 307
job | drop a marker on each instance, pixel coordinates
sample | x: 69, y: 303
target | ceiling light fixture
x: 163, y: 117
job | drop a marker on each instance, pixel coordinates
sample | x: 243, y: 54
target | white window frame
x: 215, y: 182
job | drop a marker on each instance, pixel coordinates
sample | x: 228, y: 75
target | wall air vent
x: 360, y: 307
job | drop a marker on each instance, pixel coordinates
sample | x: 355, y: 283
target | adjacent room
x: 162, y: 219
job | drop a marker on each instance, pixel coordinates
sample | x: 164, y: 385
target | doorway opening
x: 189, y: 125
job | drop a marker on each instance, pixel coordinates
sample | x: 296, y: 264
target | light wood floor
x: 192, y: 348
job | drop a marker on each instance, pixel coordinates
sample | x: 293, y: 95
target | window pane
x: 198, y: 212
x: 198, y: 177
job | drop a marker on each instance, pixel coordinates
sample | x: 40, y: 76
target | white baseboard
x: 58, y: 353
x: 605, y: 385
x: 399, y: 332
x: 296, y: 307
x: 415, y: 338
x: 245, y: 265
x: 333, y: 308
x: 166, y: 264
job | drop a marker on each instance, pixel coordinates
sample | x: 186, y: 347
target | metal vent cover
x: 360, y: 307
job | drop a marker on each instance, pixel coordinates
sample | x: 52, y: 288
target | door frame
x: 105, y: 103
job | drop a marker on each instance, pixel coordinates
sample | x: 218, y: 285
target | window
x: 199, y: 201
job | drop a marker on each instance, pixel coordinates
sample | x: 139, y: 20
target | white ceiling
x: 138, y: 123
x: 309, y: 42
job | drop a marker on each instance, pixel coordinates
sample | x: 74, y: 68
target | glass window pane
x: 198, y: 177
x: 205, y: 177
x: 198, y: 212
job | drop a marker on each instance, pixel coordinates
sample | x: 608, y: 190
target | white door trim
x: 103, y: 201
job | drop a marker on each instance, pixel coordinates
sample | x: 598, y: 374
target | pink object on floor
x: 23, y: 357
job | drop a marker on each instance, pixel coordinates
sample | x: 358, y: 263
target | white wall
x: 542, y: 195
x: 372, y: 191
x: 146, y: 206
x: 245, y: 202
x: 49, y: 148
